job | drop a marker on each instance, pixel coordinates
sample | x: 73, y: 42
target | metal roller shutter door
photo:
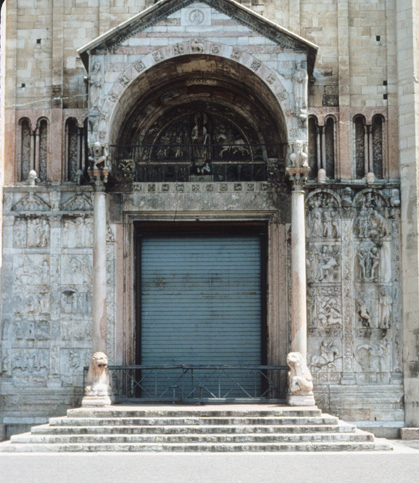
x: 201, y: 300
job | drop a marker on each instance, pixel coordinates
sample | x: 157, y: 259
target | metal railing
x: 178, y: 162
x: 199, y: 383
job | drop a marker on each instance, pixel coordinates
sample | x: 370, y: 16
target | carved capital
x: 298, y: 176
x: 99, y: 176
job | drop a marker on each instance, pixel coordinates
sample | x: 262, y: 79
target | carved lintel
x: 298, y: 176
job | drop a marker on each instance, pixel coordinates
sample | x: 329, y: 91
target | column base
x: 97, y: 401
x: 299, y: 400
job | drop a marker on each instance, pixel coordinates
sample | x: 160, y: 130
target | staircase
x: 232, y: 428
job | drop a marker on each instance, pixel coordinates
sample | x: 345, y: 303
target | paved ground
x: 400, y: 466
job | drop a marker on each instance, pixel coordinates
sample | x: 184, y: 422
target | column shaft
x: 99, y: 273
x: 298, y: 275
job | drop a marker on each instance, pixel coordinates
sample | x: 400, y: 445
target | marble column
x: 99, y: 269
x: 298, y: 177
x: 300, y: 380
x: 98, y: 390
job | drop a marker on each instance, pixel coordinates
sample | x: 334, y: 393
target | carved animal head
x: 99, y: 361
x: 294, y: 360
x: 298, y: 365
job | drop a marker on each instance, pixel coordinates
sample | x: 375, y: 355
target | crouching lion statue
x: 98, y: 388
x: 300, y: 381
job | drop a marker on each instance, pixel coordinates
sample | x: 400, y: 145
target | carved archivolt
x: 100, y: 118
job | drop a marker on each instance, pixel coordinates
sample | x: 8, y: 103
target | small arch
x: 325, y: 192
x: 360, y: 146
x: 24, y: 149
x: 361, y: 196
x: 378, y: 146
x: 330, y: 147
x: 74, y: 150
x: 313, y: 146
x: 42, y: 149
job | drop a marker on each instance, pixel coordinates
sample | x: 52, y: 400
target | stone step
x: 195, y: 429
x: 188, y: 439
x: 189, y: 448
x: 200, y: 412
x: 201, y: 429
x: 197, y: 420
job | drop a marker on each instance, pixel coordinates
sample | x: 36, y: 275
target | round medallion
x: 196, y: 17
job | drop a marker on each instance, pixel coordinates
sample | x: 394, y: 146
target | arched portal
x: 201, y: 135
x: 197, y: 115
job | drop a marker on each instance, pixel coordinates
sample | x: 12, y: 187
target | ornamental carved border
x: 100, y: 121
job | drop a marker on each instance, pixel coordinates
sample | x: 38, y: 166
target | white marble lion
x: 98, y: 376
x: 299, y: 378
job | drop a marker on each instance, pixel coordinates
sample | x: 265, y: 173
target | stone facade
x: 330, y: 85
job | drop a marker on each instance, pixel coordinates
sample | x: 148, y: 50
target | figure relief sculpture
x: 95, y: 84
x: 385, y: 302
x: 299, y: 78
x: 372, y: 357
x: 347, y: 198
x: 327, y: 358
x: 38, y: 233
x: 327, y: 263
x: 99, y: 388
x: 323, y: 219
x: 370, y: 223
x: 200, y: 140
x: 98, y: 155
x: 20, y: 232
x: 197, y: 47
x: 364, y: 313
x: 300, y: 381
x: 299, y: 158
x: 369, y: 263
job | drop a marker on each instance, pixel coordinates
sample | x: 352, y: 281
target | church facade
x: 211, y: 182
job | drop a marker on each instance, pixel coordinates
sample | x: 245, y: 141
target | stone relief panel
x: 29, y: 367
x: 77, y: 232
x: 47, y: 299
x: 324, y: 310
x: 78, y: 202
x: 353, y: 286
x: 323, y: 216
x: 72, y: 361
x: 31, y: 202
x: 31, y: 233
x: 323, y: 263
x: 35, y: 330
x: 77, y: 271
x: 32, y: 273
x: 326, y: 360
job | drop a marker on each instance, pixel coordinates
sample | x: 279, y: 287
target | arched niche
x: 219, y: 99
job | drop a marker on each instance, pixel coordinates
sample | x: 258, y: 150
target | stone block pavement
x: 400, y: 465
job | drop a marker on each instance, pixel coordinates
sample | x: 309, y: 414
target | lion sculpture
x: 98, y: 376
x: 299, y: 377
